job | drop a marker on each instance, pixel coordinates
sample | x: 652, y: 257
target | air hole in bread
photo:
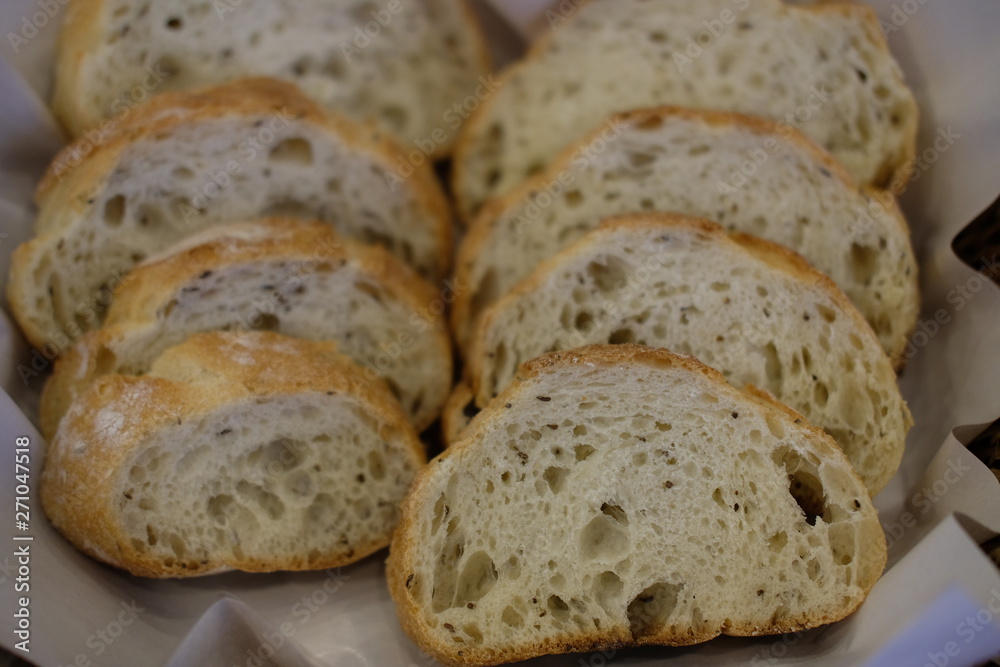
x: 828, y: 314
x: 864, y: 262
x: 555, y: 477
x: 772, y: 367
x: 649, y: 611
x: 804, y: 485
x: 512, y: 618
x: 168, y: 68
x: 639, y: 160
x: 607, y: 590
x: 289, y: 208
x: 609, y: 275
x: 621, y: 336
x: 582, y: 452
x: 821, y: 394
x: 174, y: 23
x: 479, y: 575
x: 605, y: 539
x: 396, y: 116
x: 558, y: 608
x: 584, y: 321
x: 114, y: 211
x: 221, y: 509
x: 294, y: 150
x: 615, y: 512
x: 573, y: 198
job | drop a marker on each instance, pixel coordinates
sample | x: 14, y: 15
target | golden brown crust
x: 151, y: 285
x: 404, y: 543
x: 80, y: 31
x: 774, y: 255
x: 897, y: 168
x: 83, y: 457
x: 481, y: 228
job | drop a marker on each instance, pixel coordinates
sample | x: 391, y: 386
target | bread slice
x: 750, y: 309
x: 253, y: 451
x: 184, y: 162
x: 823, y: 68
x: 283, y: 275
x: 401, y: 65
x: 747, y: 174
x: 620, y: 495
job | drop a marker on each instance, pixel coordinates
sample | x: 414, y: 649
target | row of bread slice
x: 749, y: 308
x: 824, y: 68
x: 283, y: 275
x: 184, y: 162
x: 236, y: 450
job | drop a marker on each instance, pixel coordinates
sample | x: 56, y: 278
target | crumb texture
x: 614, y: 498
x: 712, y: 166
x: 747, y: 310
x: 833, y: 77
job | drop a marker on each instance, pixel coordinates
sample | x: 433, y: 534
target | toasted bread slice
x: 620, y: 495
x: 184, y: 162
x: 254, y: 451
x: 750, y: 309
x: 824, y: 68
x: 747, y: 174
x: 282, y: 275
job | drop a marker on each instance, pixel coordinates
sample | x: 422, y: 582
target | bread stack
x: 654, y: 187
x: 265, y: 189
x: 680, y: 302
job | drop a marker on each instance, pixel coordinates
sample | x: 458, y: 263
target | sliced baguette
x: 823, y: 68
x: 750, y: 309
x: 620, y: 495
x: 184, y: 162
x: 283, y: 275
x: 402, y: 65
x: 747, y: 174
x: 254, y: 452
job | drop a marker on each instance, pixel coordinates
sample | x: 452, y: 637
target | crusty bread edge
x: 404, y: 542
x: 152, y: 283
x: 62, y: 198
x: 485, y: 222
x: 72, y: 494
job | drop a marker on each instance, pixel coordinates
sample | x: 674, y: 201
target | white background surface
x: 951, y: 55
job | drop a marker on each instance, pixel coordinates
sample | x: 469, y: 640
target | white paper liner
x: 83, y: 612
